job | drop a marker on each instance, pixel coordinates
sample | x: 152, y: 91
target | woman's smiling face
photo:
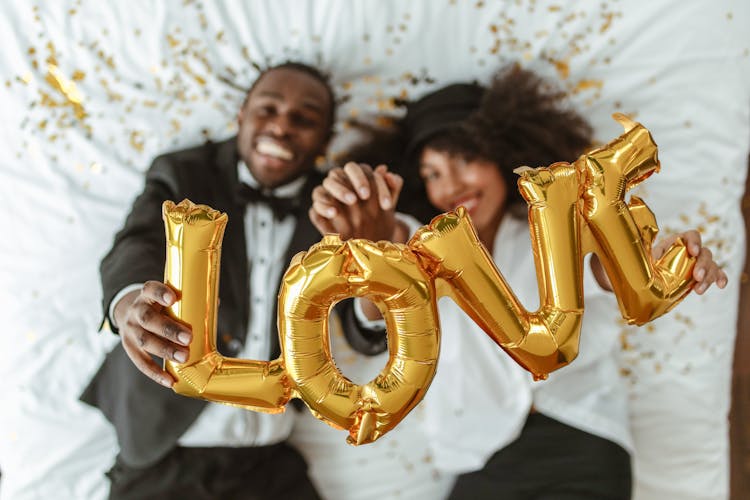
x: 478, y: 185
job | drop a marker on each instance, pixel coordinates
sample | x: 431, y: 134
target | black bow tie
x: 281, y: 207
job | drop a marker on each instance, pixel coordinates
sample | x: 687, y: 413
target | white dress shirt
x: 480, y: 398
x: 267, y: 241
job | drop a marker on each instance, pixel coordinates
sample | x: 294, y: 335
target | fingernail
x: 331, y: 212
x: 184, y: 338
x: 165, y: 382
x: 180, y: 356
x: 700, y: 273
x: 695, y: 249
x: 386, y: 203
x: 364, y: 192
x: 349, y: 198
x: 167, y: 298
x: 701, y: 288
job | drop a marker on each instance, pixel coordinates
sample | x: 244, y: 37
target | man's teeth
x: 271, y: 148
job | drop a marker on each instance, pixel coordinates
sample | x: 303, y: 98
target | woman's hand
x: 359, y: 202
x: 706, y: 271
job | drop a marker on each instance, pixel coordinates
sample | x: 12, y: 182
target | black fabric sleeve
x: 367, y: 341
x: 138, y: 251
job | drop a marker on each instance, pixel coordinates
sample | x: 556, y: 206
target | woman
x: 507, y: 436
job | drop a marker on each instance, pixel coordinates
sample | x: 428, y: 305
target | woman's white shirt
x: 480, y: 398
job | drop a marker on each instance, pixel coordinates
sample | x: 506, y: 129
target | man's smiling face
x: 284, y: 125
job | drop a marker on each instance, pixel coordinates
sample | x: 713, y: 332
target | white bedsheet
x: 151, y: 76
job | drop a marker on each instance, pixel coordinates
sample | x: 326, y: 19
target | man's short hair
x: 308, y: 70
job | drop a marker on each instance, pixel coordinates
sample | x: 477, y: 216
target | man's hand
x: 145, y: 329
x: 706, y: 271
x: 359, y: 202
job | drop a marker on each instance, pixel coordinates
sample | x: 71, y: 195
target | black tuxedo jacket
x: 150, y: 418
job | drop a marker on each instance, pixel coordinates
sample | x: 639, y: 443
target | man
x: 176, y: 447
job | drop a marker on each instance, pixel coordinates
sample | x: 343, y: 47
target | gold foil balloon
x: 388, y: 273
x: 574, y: 209
x: 623, y: 234
x: 540, y: 342
x: 194, y: 234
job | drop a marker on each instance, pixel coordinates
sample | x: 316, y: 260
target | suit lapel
x: 305, y: 234
x: 234, y: 281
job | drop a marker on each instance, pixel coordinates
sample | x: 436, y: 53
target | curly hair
x: 520, y: 120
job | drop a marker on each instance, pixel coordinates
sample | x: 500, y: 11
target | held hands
x: 146, y: 329
x: 706, y: 271
x: 359, y: 202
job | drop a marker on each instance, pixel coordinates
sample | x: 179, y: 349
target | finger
x: 706, y: 271
x: 324, y: 209
x: 343, y: 227
x: 323, y: 203
x: 692, y: 240
x: 704, y: 265
x: 661, y: 247
x: 722, y: 280
x: 322, y: 224
x: 156, y: 291
x: 359, y: 175
x: 153, y: 319
x: 356, y: 216
x: 395, y: 183
x: 383, y: 190
x: 339, y: 188
x: 147, y: 366
x: 158, y: 346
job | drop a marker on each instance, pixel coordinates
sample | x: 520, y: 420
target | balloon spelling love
x: 574, y: 209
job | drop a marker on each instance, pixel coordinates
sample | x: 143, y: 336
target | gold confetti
x: 608, y: 16
x: 136, y: 140
x: 563, y: 69
x: 67, y: 88
x: 588, y: 84
x: 51, y: 59
x: 201, y: 81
